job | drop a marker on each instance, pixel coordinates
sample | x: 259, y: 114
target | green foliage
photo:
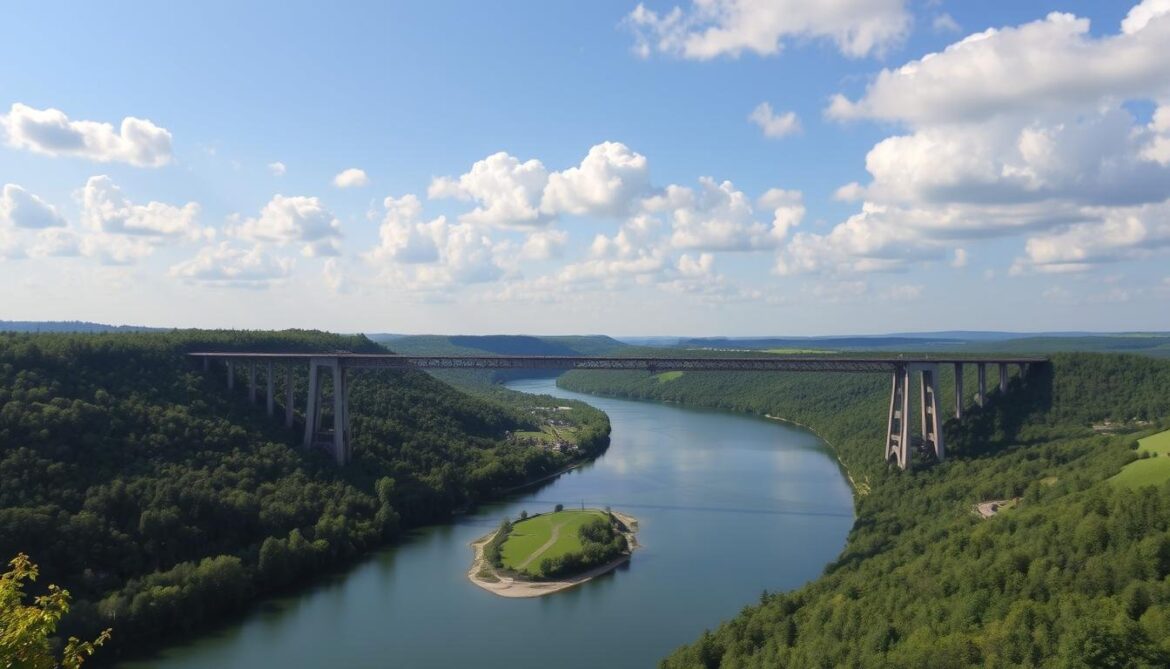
x: 601, y: 542
x: 1075, y: 575
x: 163, y: 500
x: 26, y: 631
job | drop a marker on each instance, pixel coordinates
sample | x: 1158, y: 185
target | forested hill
x: 160, y: 500
x: 1075, y: 574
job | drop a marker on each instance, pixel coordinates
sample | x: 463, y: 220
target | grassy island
x: 548, y: 552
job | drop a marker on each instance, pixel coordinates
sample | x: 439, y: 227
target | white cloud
x: 903, y: 292
x: 351, y: 178
x: 56, y: 242
x: 1046, y: 65
x: 50, y: 132
x: 945, y: 23
x: 105, y: 209
x: 506, y: 191
x: 287, y: 220
x: 711, y: 28
x: 605, y: 183
x: 114, y: 249
x: 277, y: 169
x: 425, y: 256
x: 696, y: 266
x: 1119, y: 234
x: 20, y: 208
x: 850, y: 192
x: 544, y: 245
x: 959, y: 260
x: 773, y: 125
x: 719, y: 217
x: 1019, y: 130
x: 226, y: 265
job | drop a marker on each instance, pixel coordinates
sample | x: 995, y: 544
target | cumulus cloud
x: 105, y: 209
x: 21, y: 209
x: 544, y: 245
x: 720, y: 217
x: 50, y: 132
x: 351, y: 178
x: 427, y: 255
x: 1018, y: 130
x: 277, y: 169
x: 606, y: 182
x: 1045, y: 65
x: 289, y: 220
x: 711, y: 28
x: 507, y: 191
x: 772, y: 124
x: 226, y: 265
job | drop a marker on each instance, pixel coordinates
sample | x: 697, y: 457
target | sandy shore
x: 506, y: 586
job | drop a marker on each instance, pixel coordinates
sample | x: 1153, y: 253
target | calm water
x: 728, y: 506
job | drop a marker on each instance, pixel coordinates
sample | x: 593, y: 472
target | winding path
x: 556, y: 532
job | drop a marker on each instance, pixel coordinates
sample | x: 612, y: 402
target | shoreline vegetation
x: 516, y: 584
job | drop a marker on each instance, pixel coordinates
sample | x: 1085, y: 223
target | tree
x: 25, y: 630
x: 559, y: 508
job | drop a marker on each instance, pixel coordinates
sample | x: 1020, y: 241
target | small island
x: 549, y: 552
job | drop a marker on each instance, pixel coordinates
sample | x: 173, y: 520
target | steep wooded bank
x: 161, y: 500
x: 1075, y: 575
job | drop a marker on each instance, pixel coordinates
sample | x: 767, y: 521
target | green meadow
x: 528, y: 544
x: 1148, y: 471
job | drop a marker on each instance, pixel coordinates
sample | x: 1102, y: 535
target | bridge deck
x: 769, y: 363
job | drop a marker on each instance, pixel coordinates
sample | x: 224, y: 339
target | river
x: 728, y: 506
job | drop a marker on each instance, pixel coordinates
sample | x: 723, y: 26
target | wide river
x: 728, y: 506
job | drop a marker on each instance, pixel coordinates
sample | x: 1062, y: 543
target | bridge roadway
x: 897, y: 449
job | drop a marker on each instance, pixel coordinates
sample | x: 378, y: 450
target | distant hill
x: 1156, y: 344
x: 72, y: 326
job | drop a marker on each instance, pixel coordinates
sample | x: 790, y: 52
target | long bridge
x: 336, y: 439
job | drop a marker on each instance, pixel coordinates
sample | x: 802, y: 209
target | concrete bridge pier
x: 958, y: 390
x: 271, y: 394
x: 336, y: 441
x: 898, y: 426
x: 981, y: 396
x: 1003, y: 377
x: 288, y: 397
x: 231, y: 375
x: 898, y: 438
x: 932, y: 436
x: 252, y: 383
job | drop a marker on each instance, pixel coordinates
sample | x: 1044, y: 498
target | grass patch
x: 667, y: 377
x: 1148, y: 471
x: 523, y: 546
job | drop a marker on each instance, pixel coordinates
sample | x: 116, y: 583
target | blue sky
x: 588, y: 167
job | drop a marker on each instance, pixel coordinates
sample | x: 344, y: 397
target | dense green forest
x: 1074, y: 575
x: 162, y: 500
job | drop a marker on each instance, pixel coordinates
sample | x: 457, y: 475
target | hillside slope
x: 1074, y: 575
x: 161, y: 500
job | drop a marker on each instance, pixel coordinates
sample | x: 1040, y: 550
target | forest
x: 161, y: 500
x: 1075, y: 575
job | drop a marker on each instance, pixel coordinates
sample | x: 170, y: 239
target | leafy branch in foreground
x: 25, y: 631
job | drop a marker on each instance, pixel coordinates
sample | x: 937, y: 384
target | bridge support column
x: 898, y: 428
x: 231, y: 375
x: 958, y: 390
x: 288, y: 397
x: 336, y: 442
x: 932, y: 438
x: 251, y: 383
x: 271, y: 395
x: 981, y: 396
x: 206, y: 363
x: 1003, y: 377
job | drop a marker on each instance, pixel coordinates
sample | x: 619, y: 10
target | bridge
x: 336, y: 438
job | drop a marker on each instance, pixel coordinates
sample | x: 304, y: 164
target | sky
x: 703, y: 167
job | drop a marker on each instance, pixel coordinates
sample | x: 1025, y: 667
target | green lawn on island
x: 1151, y: 471
x: 526, y: 545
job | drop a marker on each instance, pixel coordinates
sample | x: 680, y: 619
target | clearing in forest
x: 544, y: 536
x: 1148, y: 471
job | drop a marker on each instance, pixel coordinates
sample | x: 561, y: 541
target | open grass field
x: 665, y: 377
x: 1151, y: 471
x: 544, y: 536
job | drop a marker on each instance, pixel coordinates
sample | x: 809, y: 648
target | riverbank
x: 483, y: 574
x: 858, y: 490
